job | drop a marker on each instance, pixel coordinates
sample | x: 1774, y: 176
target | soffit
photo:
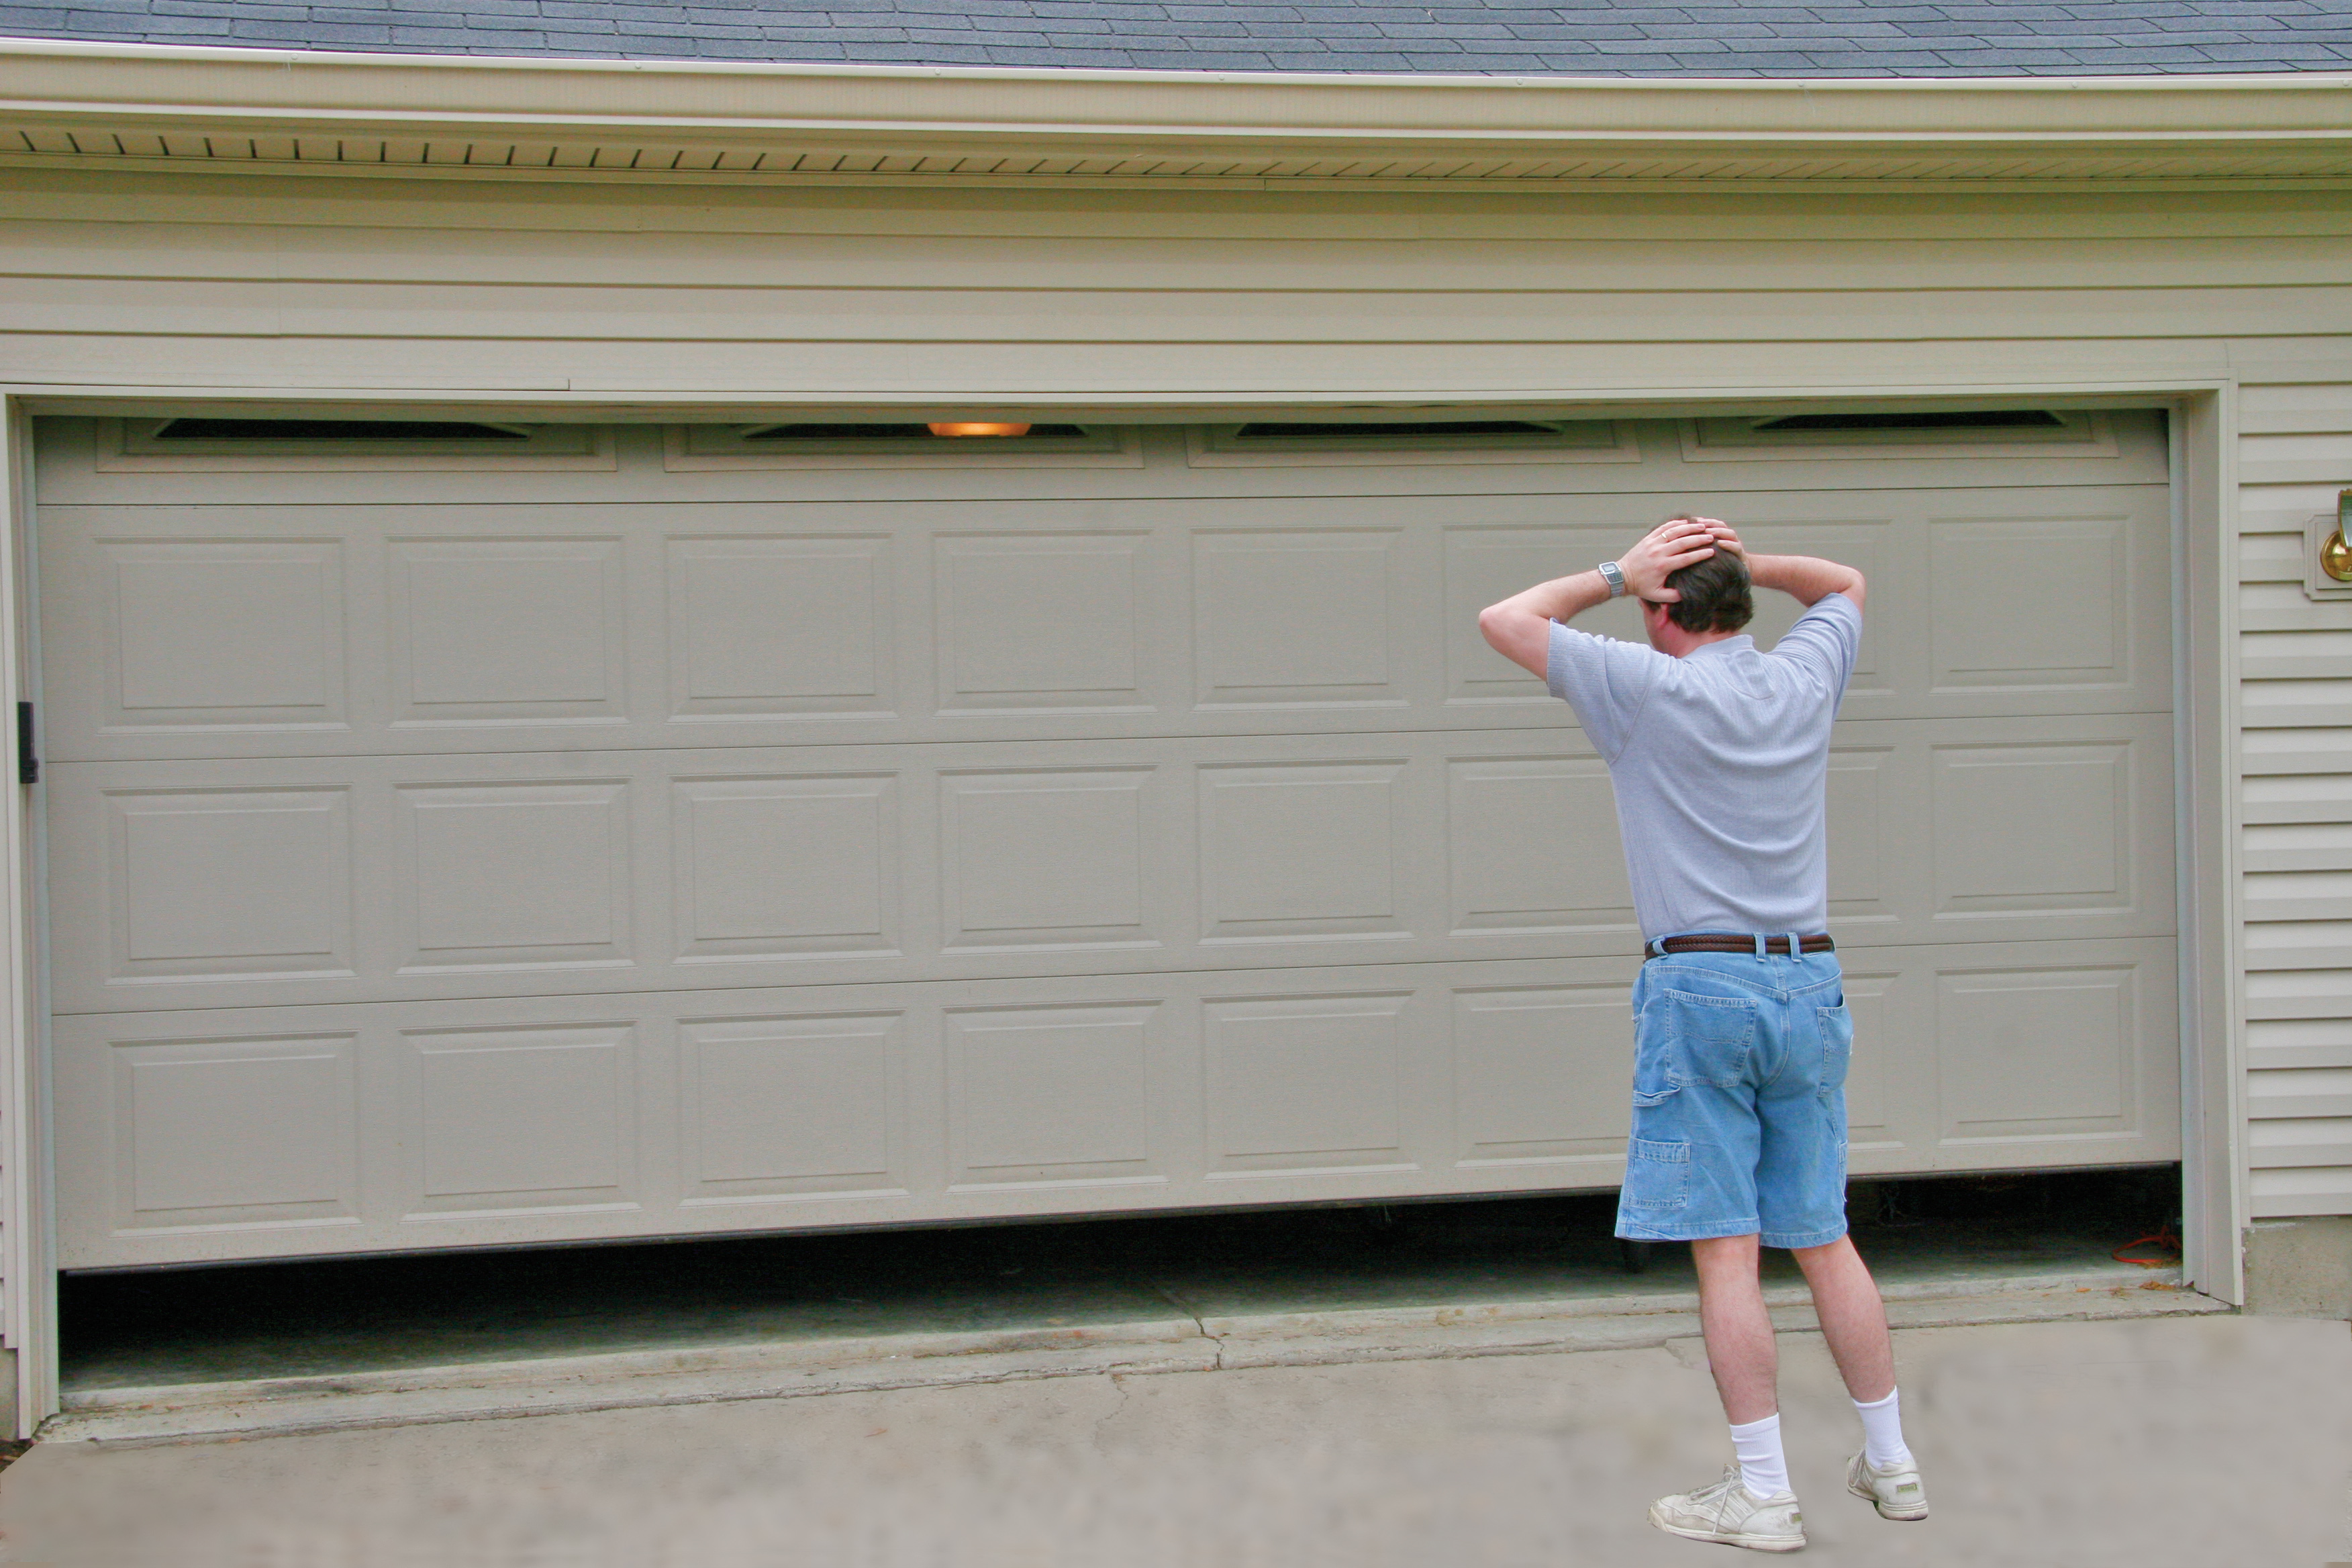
x: 116, y: 105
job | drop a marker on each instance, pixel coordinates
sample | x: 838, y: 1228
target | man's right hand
x: 1677, y: 543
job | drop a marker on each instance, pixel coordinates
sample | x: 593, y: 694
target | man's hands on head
x: 1677, y: 543
x: 1519, y: 628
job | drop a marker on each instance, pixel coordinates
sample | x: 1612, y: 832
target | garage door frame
x: 2205, y: 702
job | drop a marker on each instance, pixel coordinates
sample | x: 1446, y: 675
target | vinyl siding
x: 2295, y: 454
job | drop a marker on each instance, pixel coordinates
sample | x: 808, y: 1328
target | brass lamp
x: 2336, y: 555
x: 976, y: 427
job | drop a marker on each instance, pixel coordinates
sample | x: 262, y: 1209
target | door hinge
x: 28, y: 766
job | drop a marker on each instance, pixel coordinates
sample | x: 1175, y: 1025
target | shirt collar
x: 1743, y: 643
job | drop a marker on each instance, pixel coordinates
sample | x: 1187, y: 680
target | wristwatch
x: 1614, y: 576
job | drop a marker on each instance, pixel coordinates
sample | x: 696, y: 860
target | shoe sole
x: 1906, y: 1514
x: 1753, y: 1543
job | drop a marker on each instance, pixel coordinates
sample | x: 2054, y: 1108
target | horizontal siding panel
x: 1304, y: 312
x: 2297, y: 798
x: 2292, y: 1194
x: 1565, y: 263
x: 2308, y: 1141
x: 2296, y: 667
x: 2271, y: 1058
x: 2330, y: 419
x: 2261, y: 1107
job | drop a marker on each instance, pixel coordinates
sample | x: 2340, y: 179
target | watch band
x: 1615, y: 575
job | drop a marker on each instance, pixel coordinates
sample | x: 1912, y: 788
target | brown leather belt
x: 1730, y: 942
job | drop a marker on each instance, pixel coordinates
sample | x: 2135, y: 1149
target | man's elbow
x: 1493, y: 625
x: 1857, y: 588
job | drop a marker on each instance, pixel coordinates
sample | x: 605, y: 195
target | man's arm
x: 1805, y: 578
x: 1519, y: 628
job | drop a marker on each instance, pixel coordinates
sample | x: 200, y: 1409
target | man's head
x: 1716, y: 603
x: 1714, y: 595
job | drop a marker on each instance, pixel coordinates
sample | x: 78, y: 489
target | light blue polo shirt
x: 1721, y: 762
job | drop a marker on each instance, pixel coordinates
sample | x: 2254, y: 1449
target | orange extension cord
x: 2163, y: 1238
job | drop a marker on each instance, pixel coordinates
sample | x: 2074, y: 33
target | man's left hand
x: 1665, y: 549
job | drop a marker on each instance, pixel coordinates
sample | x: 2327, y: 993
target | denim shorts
x: 1739, y: 1067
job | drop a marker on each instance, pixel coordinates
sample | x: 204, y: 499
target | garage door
x: 468, y: 833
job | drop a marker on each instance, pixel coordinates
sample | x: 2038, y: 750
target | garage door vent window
x: 260, y: 443
x: 1440, y: 430
x: 1967, y: 419
x: 968, y: 442
x: 918, y: 433
x: 1309, y: 443
x: 1893, y: 433
x: 337, y: 430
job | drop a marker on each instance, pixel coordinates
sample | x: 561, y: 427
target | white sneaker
x: 1896, y: 1491
x: 1730, y: 1513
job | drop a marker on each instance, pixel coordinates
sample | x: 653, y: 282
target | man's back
x: 1719, y: 762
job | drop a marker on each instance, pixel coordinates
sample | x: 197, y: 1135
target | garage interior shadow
x: 347, y: 1315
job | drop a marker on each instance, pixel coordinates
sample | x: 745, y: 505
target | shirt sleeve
x: 1825, y: 640
x: 1605, y: 680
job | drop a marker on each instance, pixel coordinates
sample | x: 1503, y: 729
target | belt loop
x: 1761, y: 949
x: 1796, y: 946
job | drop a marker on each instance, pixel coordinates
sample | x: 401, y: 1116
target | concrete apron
x: 479, y: 1391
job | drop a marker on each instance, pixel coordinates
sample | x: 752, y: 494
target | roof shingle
x: 1517, y: 38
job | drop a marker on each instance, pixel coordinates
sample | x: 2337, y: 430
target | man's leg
x: 1740, y: 1348
x: 1854, y: 1319
x: 1853, y: 1322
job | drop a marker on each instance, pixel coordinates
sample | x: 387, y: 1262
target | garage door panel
x: 496, y: 858
x: 327, y: 880
x: 361, y: 630
x: 418, y: 1124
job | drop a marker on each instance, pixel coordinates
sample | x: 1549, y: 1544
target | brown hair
x: 1714, y: 595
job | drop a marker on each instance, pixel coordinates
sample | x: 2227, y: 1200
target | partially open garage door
x: 564, y: 833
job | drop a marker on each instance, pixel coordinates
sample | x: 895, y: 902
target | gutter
x: 2217, y: 124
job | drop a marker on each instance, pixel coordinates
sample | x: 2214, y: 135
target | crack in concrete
x: 1199, y: 1324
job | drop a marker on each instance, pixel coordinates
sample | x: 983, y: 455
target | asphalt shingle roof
x: 1510, y: 37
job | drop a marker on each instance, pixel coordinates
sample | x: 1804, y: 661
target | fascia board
x: 281, y: 91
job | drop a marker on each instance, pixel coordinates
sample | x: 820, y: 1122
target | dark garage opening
x: 347, y: 1315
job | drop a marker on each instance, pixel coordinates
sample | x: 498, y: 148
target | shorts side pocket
x: 1657, y: 1175
x: 1836, y: 1026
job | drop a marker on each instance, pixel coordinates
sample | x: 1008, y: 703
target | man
x: 1719, y: 755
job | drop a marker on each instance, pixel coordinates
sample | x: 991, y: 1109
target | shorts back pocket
x: 1708, y: 1039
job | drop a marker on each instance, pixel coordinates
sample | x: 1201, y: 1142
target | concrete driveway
x: 2192, y: 1441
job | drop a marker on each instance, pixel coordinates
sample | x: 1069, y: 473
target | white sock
x: 1763, y: 1468
x: 1882, y: 1431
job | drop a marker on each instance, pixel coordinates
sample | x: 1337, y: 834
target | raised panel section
x: 1486, y: 565
x: 512, y: 875
x: 780, y: 628
x: 1305, y: 1083
x: 1042, y: 622
x: 2033, y: 829
x: 229, y: 883
x: 1871, y: 1075
x: 1052, y: 858
x: 2031, y: 602
x: 1863, y: 822
x: 1542, y: 1076
x: 1533, y: 846
x: 1297, y: 619
x: 1303, y: 851
x: 1868, y: 546
x: 2033, y: 1054
x: 506, y: 631
x: 244, y: 633
x: 1050, y: 1095
x: 235, y: 1132
x: 781, y: 1107
x: 786, y: 867
x: 522, y: 1118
